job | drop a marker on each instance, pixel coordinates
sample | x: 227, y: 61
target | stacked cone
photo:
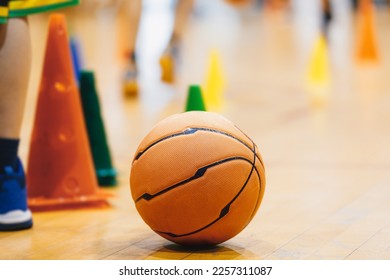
x: 367, y: 46
x: 76, y: 57
x: 60, y: 167
x: 195, y: 99
x: 105, y: 172
x: 214, y: 86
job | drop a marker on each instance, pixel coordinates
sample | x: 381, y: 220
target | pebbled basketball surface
x: 197, y: 179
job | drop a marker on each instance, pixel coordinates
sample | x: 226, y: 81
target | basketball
x: 196, y: 179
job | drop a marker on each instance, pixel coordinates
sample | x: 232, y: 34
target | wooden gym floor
x: 327, y: 167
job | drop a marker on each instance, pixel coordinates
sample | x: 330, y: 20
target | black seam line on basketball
x: 199, y: 173
x: 244, y: 134
x: 258, y: 177
x: 193, y: 130
x: 224, y: 211
x: 258, y: 196
x: 254, y: 145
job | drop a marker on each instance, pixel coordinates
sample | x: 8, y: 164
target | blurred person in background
x: 15, y: 62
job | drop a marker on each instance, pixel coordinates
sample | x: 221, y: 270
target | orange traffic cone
x: 60, y: 167
x: 367, y: 47
x: 273, y: 6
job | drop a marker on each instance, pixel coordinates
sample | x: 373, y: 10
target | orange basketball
x: 196, y: 179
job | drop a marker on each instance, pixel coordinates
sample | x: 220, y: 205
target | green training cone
x: 194, y: 99
x: 105, y: 172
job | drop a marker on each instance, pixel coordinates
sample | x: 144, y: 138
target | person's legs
x: 15, y: 60
x: 183, y: 10
x: 129, y: 18
x: 326, y: 16
x: 171, y: 52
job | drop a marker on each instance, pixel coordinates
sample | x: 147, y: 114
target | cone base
x: 97, y: 200
x: 107, y: 177
x: 107, y: 182
x: 368, y: 61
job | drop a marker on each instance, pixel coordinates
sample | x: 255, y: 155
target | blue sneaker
x: 130, y: 84
x: 14, y: 213
x: 169, y: 61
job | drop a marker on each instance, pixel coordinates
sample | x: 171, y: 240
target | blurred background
x: 308, y: 80
x: 266, y: 54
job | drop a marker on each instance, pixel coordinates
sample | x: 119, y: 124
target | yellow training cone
x: 318, y: 72
x: 215, y: 83
x: 318, y: 75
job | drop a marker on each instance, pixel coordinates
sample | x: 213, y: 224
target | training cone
x: 273, y: 7
x: 105, y: 172
x: 215, y: 82
x: 318, y: 71
x: 76, y: 58
x: 318, y: 75
x: 195, y: 99
x: 60, y: 171
x: 367, y: 46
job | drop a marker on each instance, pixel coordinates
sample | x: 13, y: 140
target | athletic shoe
x: 129, y: 83
x: 14, y: 213
x: 168, y: 63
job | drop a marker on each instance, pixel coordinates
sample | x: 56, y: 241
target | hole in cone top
x: 62, y: 137
x: 63, y: 87
x: 65, y: 134
x: 61, y: 31
x: 58, y: 23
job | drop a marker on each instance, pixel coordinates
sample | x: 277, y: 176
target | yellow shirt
x: 21, y: 8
